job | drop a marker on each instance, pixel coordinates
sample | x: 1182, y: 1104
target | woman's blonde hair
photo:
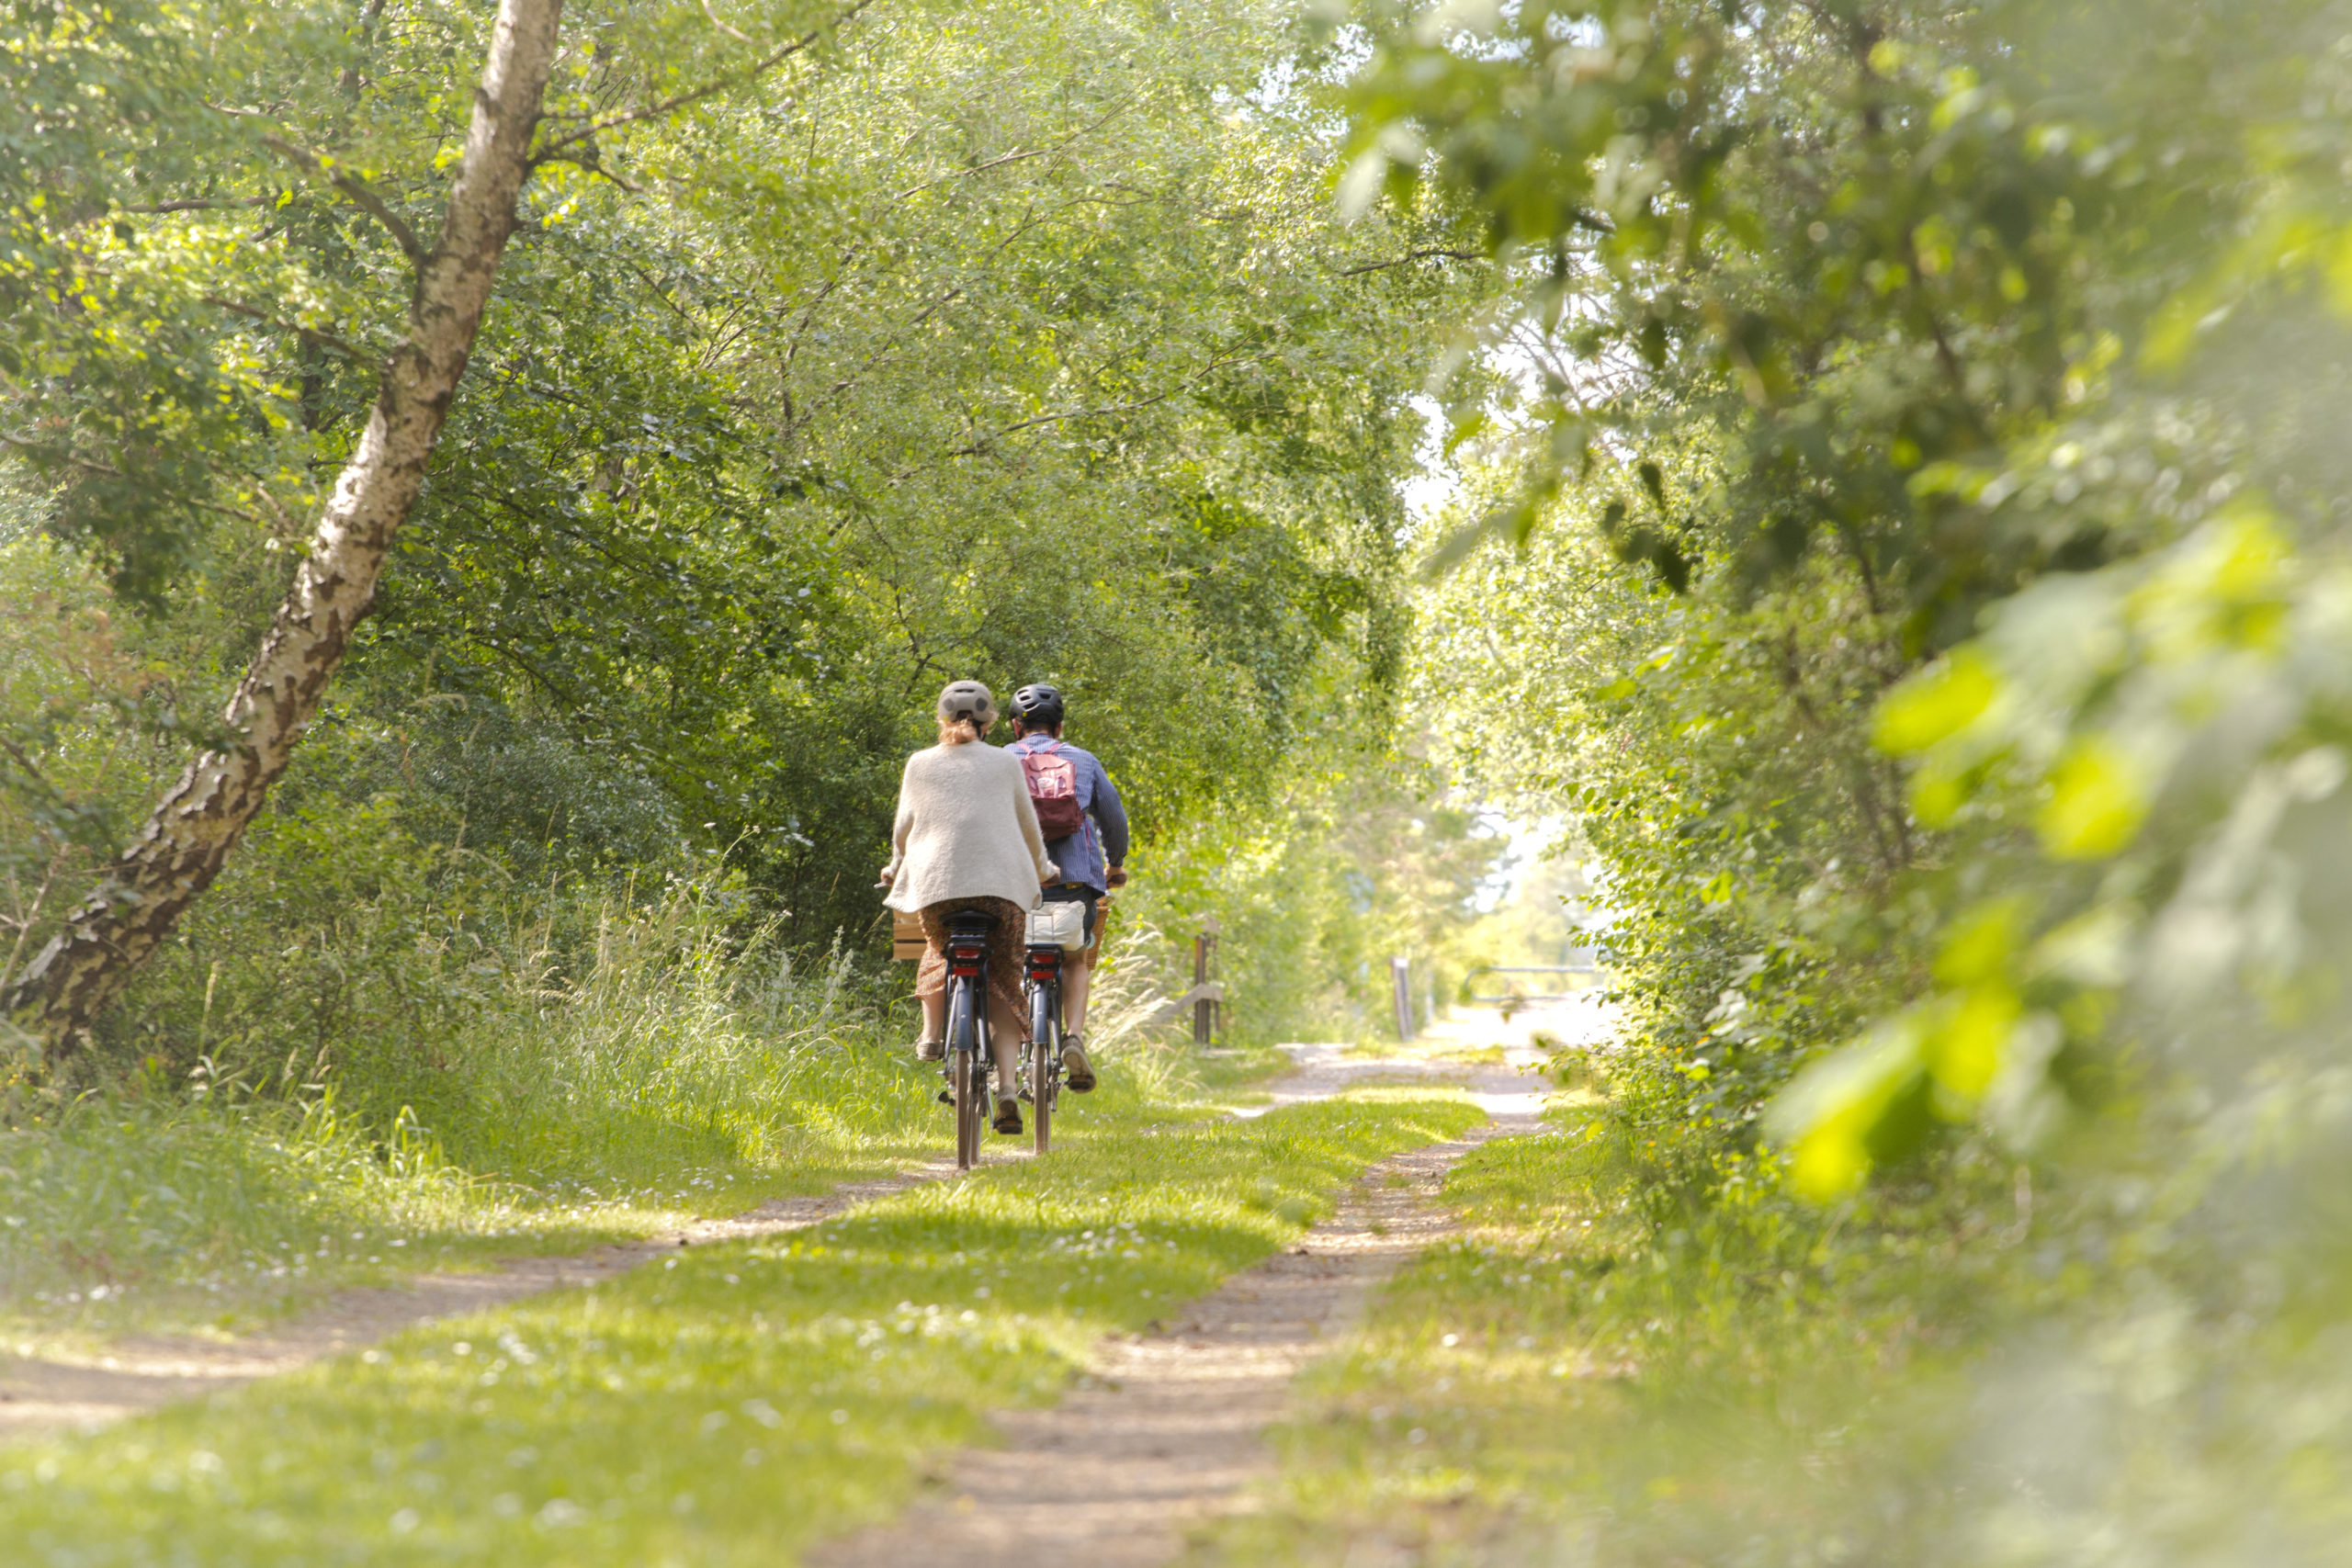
x: 958, y: 731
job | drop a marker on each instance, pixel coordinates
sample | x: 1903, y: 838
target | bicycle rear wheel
x: 967, y: 1112
x: 964, y: 1077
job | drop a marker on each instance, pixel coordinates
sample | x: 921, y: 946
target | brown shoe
x: 1078, y: 1072
x: 930, y: 1050
x: 1008, y: 1115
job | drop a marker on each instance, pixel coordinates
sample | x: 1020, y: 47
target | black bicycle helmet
x: 1038, y: 707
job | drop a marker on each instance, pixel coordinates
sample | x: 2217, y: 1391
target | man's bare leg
x: 1078, y: 979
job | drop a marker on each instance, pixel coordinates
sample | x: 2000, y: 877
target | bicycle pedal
x: 945, y: 1098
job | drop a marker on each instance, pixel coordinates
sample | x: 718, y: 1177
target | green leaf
x: 1936, y: 704
x: 1831, y: 1117
x: 2099, y: 798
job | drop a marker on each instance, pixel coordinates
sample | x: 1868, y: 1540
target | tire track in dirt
x: 39, y: 1396
x: 1168, y: 1428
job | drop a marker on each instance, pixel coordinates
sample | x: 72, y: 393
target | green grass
x: 1563, y: 1383
x: 735, y: 1401
x: 580, y: 1069
x: 142, y: 1214
x: 677, y: 1071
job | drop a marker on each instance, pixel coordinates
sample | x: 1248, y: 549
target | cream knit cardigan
x: 966, y: 829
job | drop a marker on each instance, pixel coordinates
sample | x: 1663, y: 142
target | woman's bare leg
x: 935, y: 1016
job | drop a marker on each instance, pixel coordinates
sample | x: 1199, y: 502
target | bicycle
x: 971, y: 1054
x: 1055, y: 942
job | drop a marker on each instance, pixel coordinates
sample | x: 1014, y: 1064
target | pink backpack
x: 1053, y: 790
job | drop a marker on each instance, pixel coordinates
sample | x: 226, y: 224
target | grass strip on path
x: 731, y: 1404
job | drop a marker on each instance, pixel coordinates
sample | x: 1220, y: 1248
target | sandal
x: 1078, y: 1072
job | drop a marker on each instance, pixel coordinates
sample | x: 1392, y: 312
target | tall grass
x: 525, y: 1072
x: 1133, y: 1029
x: 675, y: 1047
x: 144, y: 1212
x: 670, y: 1064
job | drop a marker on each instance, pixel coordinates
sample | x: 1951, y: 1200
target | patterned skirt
x: 1005, y: 943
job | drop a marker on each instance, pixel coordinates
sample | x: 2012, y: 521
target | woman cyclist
x: 966, y: 838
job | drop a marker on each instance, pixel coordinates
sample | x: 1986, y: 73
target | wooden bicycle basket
x: 905, y: 935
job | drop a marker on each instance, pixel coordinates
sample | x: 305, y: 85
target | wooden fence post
x: 1204, y: 1007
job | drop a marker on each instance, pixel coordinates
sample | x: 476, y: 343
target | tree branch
x: 349, y: 80
x: 1180, y: 387
x: 29, y: 914
x: 976, y: 169
x: 1425, y: 254
x: 31, y: 768
x: 1089, y: 129
x: 63, y: 455
x: 722, y: 27
x: 308, y: 334
x: 200, y: 204
x: 1947, y: 359
x: 589, y: 165
x: 751, y: 73
x: 361, y: 193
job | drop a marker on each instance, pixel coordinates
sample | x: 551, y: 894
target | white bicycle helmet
x: 968, y: 699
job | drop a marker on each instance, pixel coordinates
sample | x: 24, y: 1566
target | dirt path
x: 1169, y: 1427
x: 41, y: 1396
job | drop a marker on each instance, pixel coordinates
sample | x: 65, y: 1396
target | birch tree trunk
x: 187, y: 839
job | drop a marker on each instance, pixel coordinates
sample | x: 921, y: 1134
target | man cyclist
x: 1091, y: 859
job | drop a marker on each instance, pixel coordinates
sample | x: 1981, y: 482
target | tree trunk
x: 186, y: 840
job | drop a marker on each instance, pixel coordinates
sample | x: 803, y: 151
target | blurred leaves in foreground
x: 1966, y: 752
